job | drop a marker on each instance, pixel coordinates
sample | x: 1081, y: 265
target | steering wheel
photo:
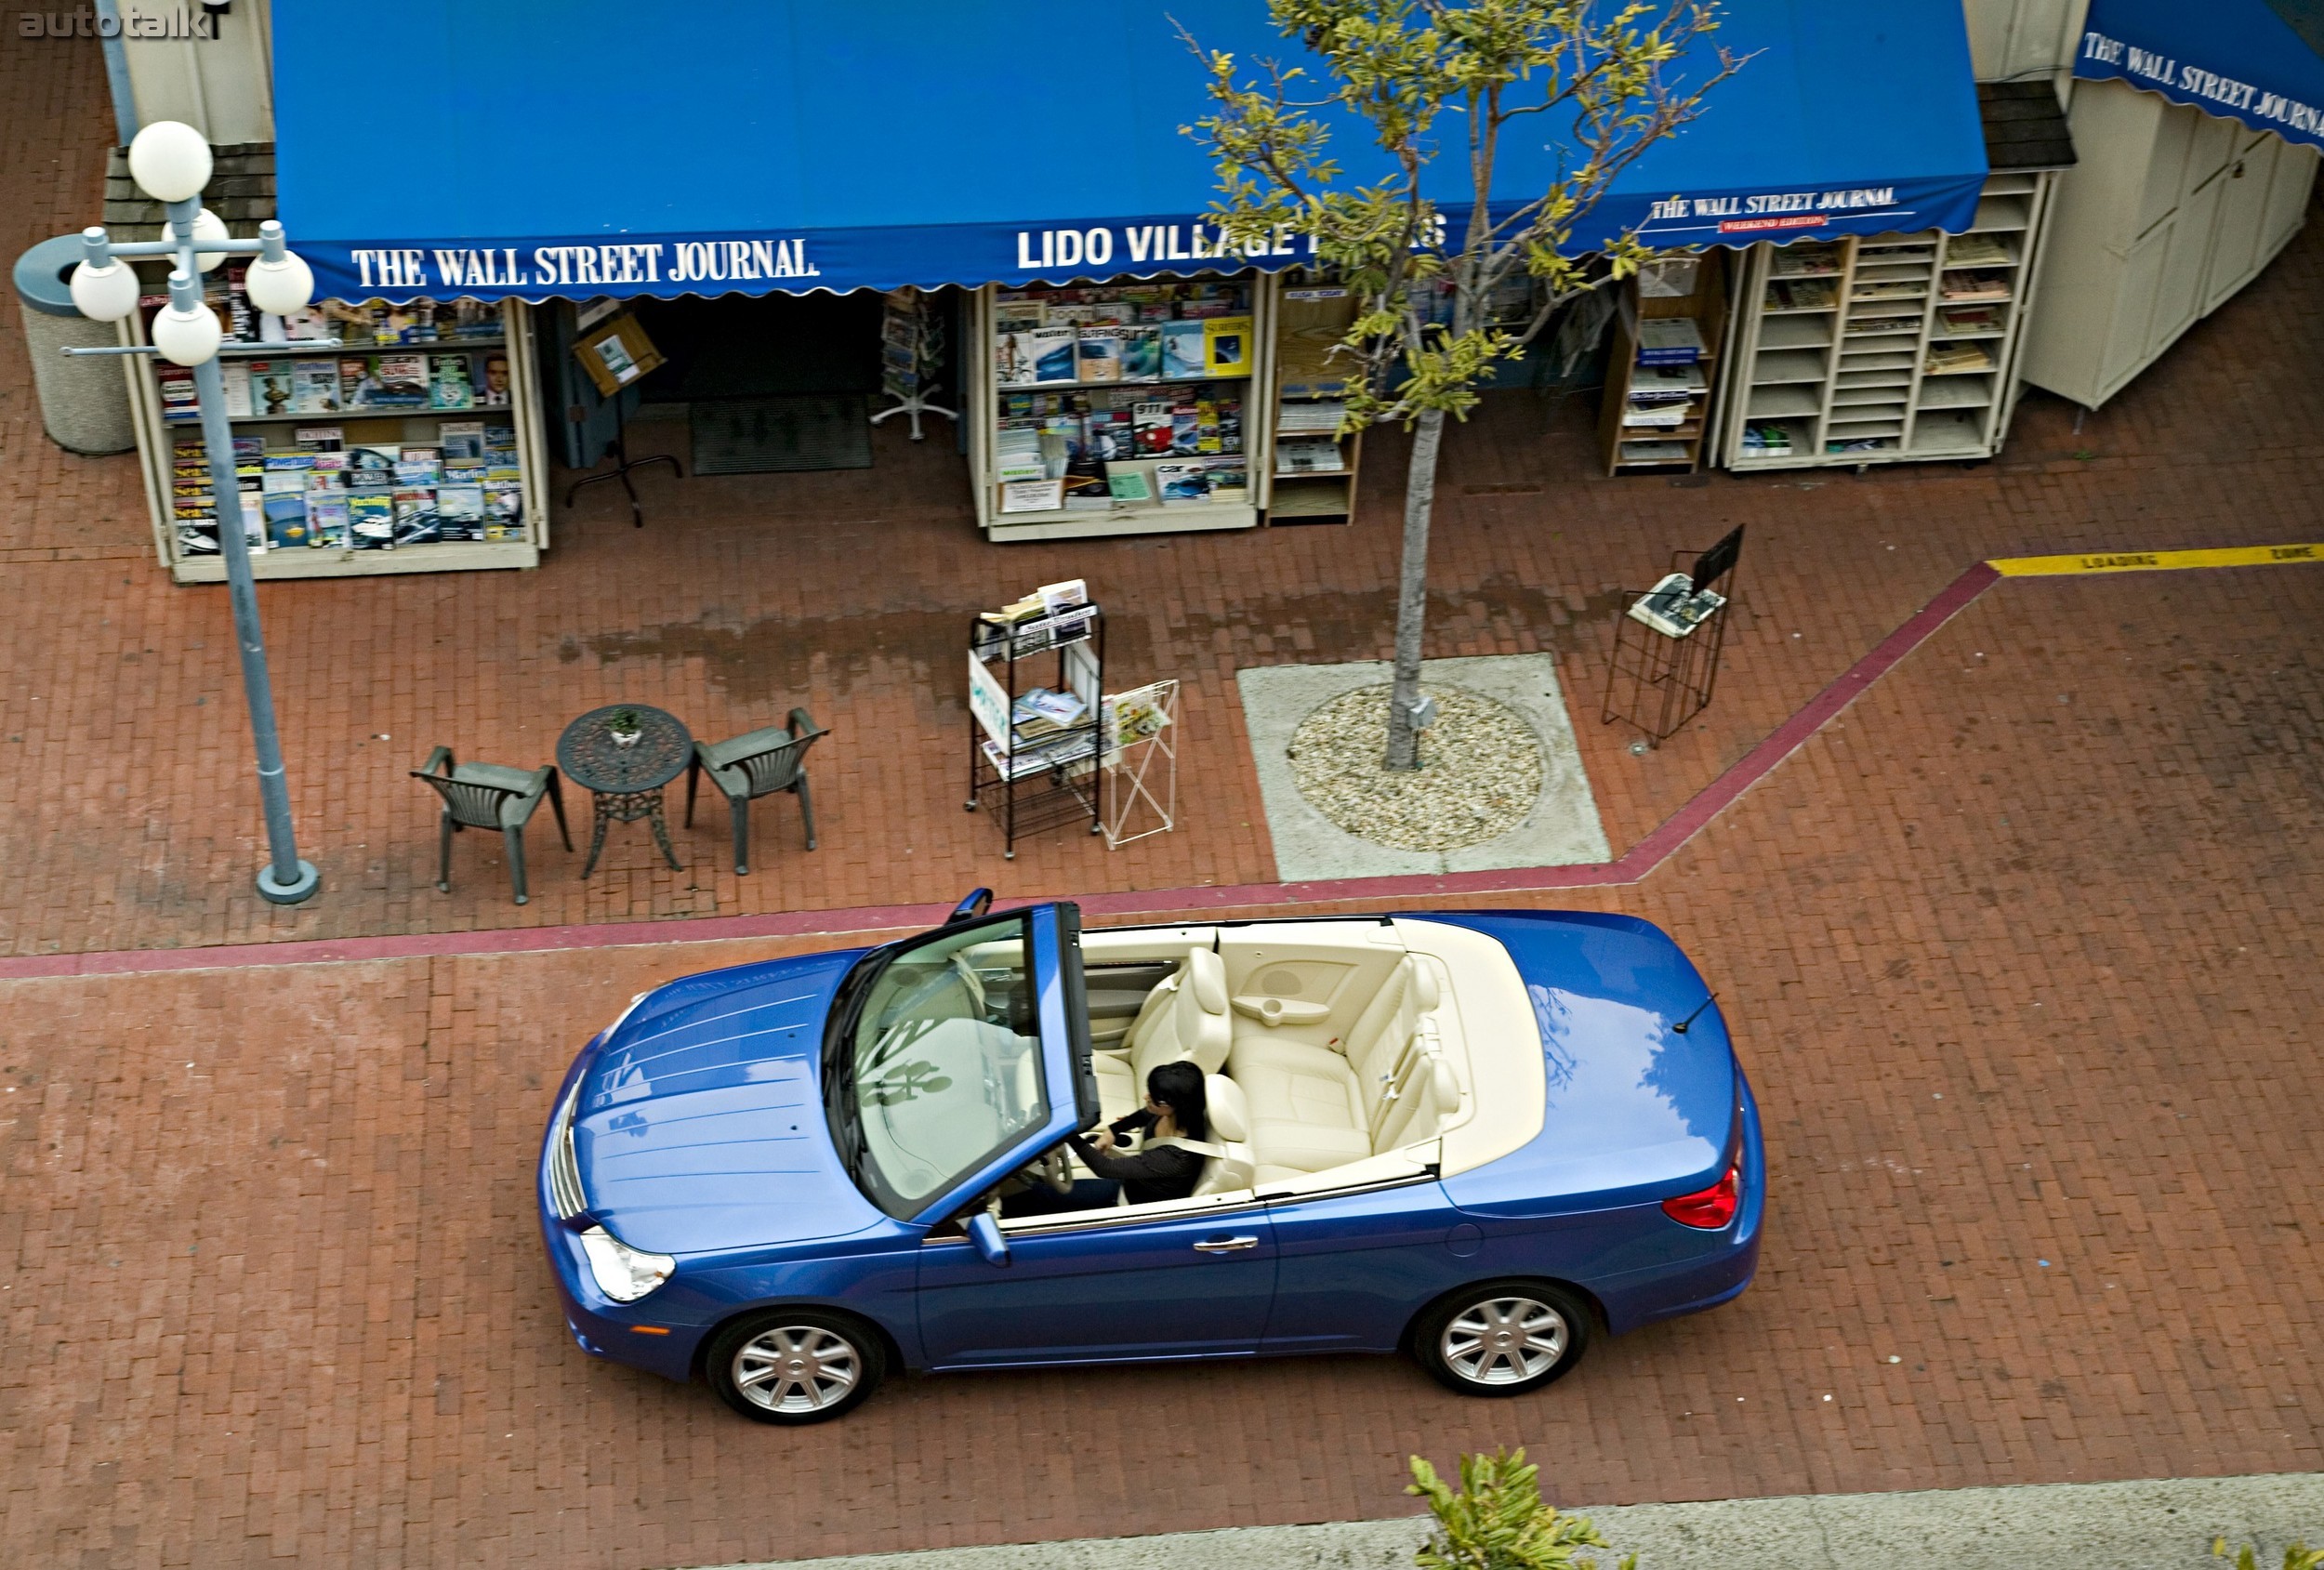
x: 1055, y: 1170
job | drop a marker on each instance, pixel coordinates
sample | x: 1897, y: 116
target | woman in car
x: 1176, y: 1108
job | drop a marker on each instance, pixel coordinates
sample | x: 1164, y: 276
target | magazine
x: 1226, y: 345
x: 460, y: 509
x: 1229, y: 479
x: 402, y: 381
x: 1153, y: 427
x: 1182, y: 485
x: 326, y: 521
x: 461, y: 440
x: 1182, y: 349
x: 314, y: 387
x: 272, y: 389
x: 1142, y: 353
x: 286, y: 520
x: 236, y: 375
x: 1100, y: 354
x: 449, y: 384
x: 1052, y: 352
x: 494, y: 393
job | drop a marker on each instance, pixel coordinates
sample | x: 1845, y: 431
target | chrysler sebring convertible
x: 1482, y: 1139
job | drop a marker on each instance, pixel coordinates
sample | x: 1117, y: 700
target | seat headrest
x: 1228, y: 1111
x: 1424, y: 996
x: 1206, y: 973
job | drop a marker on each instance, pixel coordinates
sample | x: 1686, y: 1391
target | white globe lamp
x: 186, y: 333
x: 170, y: 161
x: 206, y: 226
x: 104, y: 293
x: 280, y: 287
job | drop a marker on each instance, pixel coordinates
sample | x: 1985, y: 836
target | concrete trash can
x: 83, y: 400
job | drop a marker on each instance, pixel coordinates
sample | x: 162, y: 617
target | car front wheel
x: 796, y: 1365
x: 1503, y: 1337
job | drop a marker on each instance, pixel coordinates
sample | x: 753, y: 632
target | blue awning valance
x: 2260, y: 62
x: 586, y: 148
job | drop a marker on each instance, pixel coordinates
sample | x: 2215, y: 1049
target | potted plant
x: 624, y: 726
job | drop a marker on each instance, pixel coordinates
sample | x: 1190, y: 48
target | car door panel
x: 1183, y: 1285
x: 1354, y: 1268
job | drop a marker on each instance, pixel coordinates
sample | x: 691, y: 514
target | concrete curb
x: 2161, y: 1524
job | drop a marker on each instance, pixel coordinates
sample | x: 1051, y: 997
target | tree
x: 1496, y: 1520
x: 1595, y: 72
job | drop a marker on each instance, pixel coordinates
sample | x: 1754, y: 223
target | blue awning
x: 584, y: 147
x: 2260, y: 62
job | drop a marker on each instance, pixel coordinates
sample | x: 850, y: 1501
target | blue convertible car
x: 1482, y: 1138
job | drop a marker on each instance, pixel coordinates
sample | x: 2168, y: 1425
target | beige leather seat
x: 1315, y: 1107
x: 1228, y: 1162
x: 1185, y: 1018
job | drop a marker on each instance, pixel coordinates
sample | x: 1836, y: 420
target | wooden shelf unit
x: 988, y: 400
x: 159, y: 437
x: 1631, y: 448
x: 1884, y: 349
x: 1311, y: 317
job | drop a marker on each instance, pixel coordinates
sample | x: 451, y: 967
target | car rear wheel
x: 796, y: 1365
x: 1503, y: 1337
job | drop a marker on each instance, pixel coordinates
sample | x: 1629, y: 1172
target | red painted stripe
x: 1641, y: 860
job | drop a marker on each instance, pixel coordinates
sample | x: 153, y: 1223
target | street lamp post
x: 171, y: 162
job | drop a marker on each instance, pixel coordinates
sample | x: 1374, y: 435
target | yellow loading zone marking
x: 2155, y: 561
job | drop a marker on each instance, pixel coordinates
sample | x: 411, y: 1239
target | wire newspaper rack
x: 1667, y: 642
x: 1141, y: 759
x: 1034, y: 749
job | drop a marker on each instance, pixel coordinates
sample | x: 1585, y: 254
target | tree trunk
x: 1419, y: 501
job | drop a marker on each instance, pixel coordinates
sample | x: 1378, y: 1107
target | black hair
x: 1179, y: 1087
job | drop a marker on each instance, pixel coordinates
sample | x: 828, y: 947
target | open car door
x: 958, y: 1056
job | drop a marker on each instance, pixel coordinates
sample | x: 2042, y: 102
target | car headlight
x: 624, y: 1273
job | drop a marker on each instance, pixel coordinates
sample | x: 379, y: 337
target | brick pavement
x: 133, y: 822
x: 2017, y: 951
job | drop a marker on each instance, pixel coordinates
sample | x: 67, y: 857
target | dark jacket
x: 1150, y: 1176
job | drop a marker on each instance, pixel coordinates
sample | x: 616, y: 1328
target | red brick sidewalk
x: 133, y: 822
x: 2019, y: 953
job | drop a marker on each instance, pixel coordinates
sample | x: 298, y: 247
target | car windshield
x: 938, y: 1068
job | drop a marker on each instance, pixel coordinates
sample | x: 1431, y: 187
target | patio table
x: 626, y: 781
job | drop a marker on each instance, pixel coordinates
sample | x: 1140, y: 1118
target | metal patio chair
x: 759, y: 763
x: 487, y: 795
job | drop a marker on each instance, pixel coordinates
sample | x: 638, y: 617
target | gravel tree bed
x: 1480, y: 771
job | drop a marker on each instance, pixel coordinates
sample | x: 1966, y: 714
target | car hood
x: 1636, y: 1108
x: 700, y: 1124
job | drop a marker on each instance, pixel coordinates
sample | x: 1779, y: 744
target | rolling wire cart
x: 1667, y: 642
x: 1034, y: 748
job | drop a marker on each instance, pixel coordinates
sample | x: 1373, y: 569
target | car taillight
x: 1710, y: 1208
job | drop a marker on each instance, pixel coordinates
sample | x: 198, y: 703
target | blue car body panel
x: 1104, y: 1294
x: 700, y: 1133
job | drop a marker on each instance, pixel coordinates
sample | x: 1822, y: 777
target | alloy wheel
x: 797, y: 1368
x: 1504, y: 1340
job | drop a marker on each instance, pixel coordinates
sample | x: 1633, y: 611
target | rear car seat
x: 1312, y: 1107
x: 1185, y: 1018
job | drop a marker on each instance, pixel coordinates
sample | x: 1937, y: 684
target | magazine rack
x: 1035, y: 770
x: 1140, y: 761
x: 1658, y: 680
x: 911, y: 346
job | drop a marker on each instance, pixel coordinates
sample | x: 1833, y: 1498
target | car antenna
x: 1681, y: 1027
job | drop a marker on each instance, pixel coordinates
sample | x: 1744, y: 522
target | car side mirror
x: 985, y: 1233
x: 977, y: 904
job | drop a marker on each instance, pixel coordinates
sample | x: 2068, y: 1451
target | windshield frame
x: 1054, y: 971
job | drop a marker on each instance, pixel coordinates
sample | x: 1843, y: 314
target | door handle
x: 1224, y: 1245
